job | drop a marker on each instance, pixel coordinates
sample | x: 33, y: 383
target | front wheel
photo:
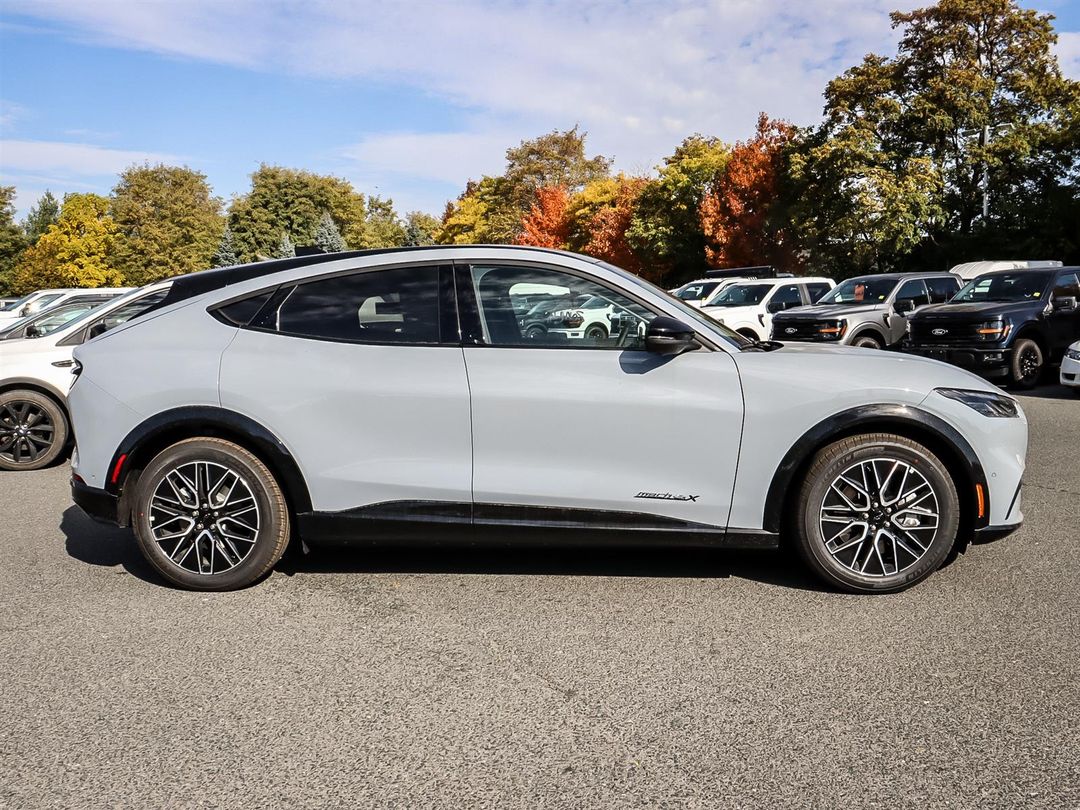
x: 210, y: 516
x: 33, y: 430
x: 868, y: 342
x: 877, y: 513
x: 1027, y: 364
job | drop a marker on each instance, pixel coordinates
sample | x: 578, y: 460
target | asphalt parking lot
x: 480, y: 678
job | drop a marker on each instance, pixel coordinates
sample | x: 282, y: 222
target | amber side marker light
x: 980, y: 500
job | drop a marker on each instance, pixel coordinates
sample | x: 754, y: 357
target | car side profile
x: 867, y: 311
x: 393, y: 396
x: 748, y: 307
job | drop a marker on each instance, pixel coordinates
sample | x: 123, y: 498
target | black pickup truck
x: 1008, y: 324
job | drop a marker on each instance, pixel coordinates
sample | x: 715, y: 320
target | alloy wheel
x: 1030, y: 364
x: 27, y: 432
x: 879, y: 517
x: 204, y: 517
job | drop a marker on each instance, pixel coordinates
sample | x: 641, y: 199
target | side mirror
x: 904, y: 305
x: 24, y: 311
x: 668, y: 336
x: 1066, y: 303
x: 32, y: 331
x: 98, y: 328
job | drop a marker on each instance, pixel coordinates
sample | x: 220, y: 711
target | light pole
x: 984, y: 141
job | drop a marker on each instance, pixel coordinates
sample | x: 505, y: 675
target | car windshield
x: 14, y: 305
x: 1023, y: 285
x: 856, y: 291
x: 741, y: 295
x: 696, y: 290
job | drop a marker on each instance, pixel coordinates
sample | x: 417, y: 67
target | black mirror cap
x: 669, y: 336
x: 98, y: 328
x: 32, y: 331
x: 1065, y: 303
x: 904, y: 305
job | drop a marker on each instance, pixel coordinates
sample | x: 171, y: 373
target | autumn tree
x: 420, y: 229
x: 735, y: 212
x: 546, y: 224
x: 75, y: 251
x: 12, y: 239
x: 168, y: 222
x: 41, y: 215
x: 608, y: 227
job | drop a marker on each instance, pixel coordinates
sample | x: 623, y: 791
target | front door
x: 585, y: 420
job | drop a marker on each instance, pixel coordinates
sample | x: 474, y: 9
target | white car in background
x: 35, y: 375
x: 1070, y: 368
x: 46, y: 299
x: 748, y: 306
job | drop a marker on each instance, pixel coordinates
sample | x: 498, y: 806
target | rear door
x: 1065, y: 323
x: 586, y: 426
x: 361, y: 375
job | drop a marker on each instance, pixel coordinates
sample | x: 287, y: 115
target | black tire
x: 1027, y: 364
x: 596, y: 332
x: 840, y: 566
x: 535, y: 331
x: 868, y: 342
x: 33, y: 430
x: 253, y: 557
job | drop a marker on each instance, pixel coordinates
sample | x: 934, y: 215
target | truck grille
x: 796, y: 330
x: 943, y: 332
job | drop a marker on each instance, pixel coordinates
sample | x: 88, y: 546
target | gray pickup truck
x: 868, y: 311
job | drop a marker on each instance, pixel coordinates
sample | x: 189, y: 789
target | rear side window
x: 942, y: 289
x: 381, y: 306
x: 913, y: 290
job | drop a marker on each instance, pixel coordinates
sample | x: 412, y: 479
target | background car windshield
x: 740, y: 295
x: 61, y: 316
x: 693, y: 292
x: 861, y: 291
x: 1023, y: 285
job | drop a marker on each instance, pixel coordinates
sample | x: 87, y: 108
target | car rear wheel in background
x: 1027, y: 364
x: 877, y: 513
x: 33, y: 430
x: 867, y: 342
x: 596, y: 332
x: 209, y: 515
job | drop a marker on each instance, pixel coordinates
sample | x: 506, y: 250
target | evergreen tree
x: 12, y: 241
x: 285, y: 248
x: 420, y: 229
x: 41, y: 216
x: 327, y: 236
x: 225, y: 255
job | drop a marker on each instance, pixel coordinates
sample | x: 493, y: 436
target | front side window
x: 857, y: 291
x: 915, y: 291
x: 400, y: 305
x: 942, y: 289
x: 579, y: 313
x: 1067, y: 286
x: 132, y: 309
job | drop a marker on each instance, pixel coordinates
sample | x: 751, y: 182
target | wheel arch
x: 1033, y: 331
x: 937, y: 435
x: 870, y: 330
x: 26, y: 383
x: 168, y: 427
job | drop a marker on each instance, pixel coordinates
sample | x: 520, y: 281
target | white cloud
x: 10, y: 113
x: 75, y: 159
x: 1068, y: 53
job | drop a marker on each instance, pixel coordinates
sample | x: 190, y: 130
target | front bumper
x: 992, y: 362
x: 97, y: 503
x: 1070, y: 372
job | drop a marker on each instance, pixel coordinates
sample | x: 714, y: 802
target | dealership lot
x: 515, y: 677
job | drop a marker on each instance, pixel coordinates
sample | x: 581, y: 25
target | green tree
x: 41, y: 216
x: 168, y: 220
x: 292, y: 201
x: 12, y: 240
x: 284, y: 248
x: 75, y: 251
x: 666, y: 231
x: 327, y: 236
x: 379, y: 227
x: 225, y: 255
x: 420, y: 229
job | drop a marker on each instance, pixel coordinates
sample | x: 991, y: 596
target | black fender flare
x: 904, y: 419
x: 153, y: 434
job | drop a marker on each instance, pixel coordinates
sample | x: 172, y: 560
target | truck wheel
x: 1027, y: 364
x: 867, y: 342
x: 596, y: 332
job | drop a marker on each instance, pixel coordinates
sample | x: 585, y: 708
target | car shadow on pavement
x: 97, y: 544
x: 1049, y: 392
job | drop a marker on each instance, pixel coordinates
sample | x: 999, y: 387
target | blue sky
x: 407, y: 101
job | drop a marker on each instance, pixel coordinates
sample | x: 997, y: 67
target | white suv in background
x: 35, y: 375
x: 747, y: 306
x: 270, y: 402
x: 42, y: 299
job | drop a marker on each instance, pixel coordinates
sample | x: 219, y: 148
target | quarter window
x: 562, y: 311
x: 380, y: 306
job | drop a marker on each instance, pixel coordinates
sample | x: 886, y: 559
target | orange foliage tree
x: 735, y: 213
x: 546, y: 224
x: 608, y: 226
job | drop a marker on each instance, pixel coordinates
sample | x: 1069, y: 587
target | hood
x: 819, y: 312
x: 976, y: 311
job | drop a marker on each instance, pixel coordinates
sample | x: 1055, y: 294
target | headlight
x: 832, y: 330
x: 993, y: 330
x: 1073, y: 354
x: 985, y: 403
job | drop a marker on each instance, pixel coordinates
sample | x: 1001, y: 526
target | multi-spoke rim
x: 204, y: 517
x: 27, y: 432
x: 1029, y: 363
x: 879, y: 517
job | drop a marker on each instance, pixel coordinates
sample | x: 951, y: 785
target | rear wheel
x: 33, y: 430
x: 210, y: 516
x: 877, y: 513
x: 1027, y: 364
x: 596, y: 332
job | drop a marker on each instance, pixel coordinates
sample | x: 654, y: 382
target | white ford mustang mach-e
x: 394, y: 395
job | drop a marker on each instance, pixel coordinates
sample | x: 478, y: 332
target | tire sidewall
x: 867, y: 342
x: 260, y: 559
x: 813, y: 496
x: 1023, y: 345
x: 61, y: 430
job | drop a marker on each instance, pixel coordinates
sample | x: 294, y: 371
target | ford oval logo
x: 791, y: 330
x: 940, y: 332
